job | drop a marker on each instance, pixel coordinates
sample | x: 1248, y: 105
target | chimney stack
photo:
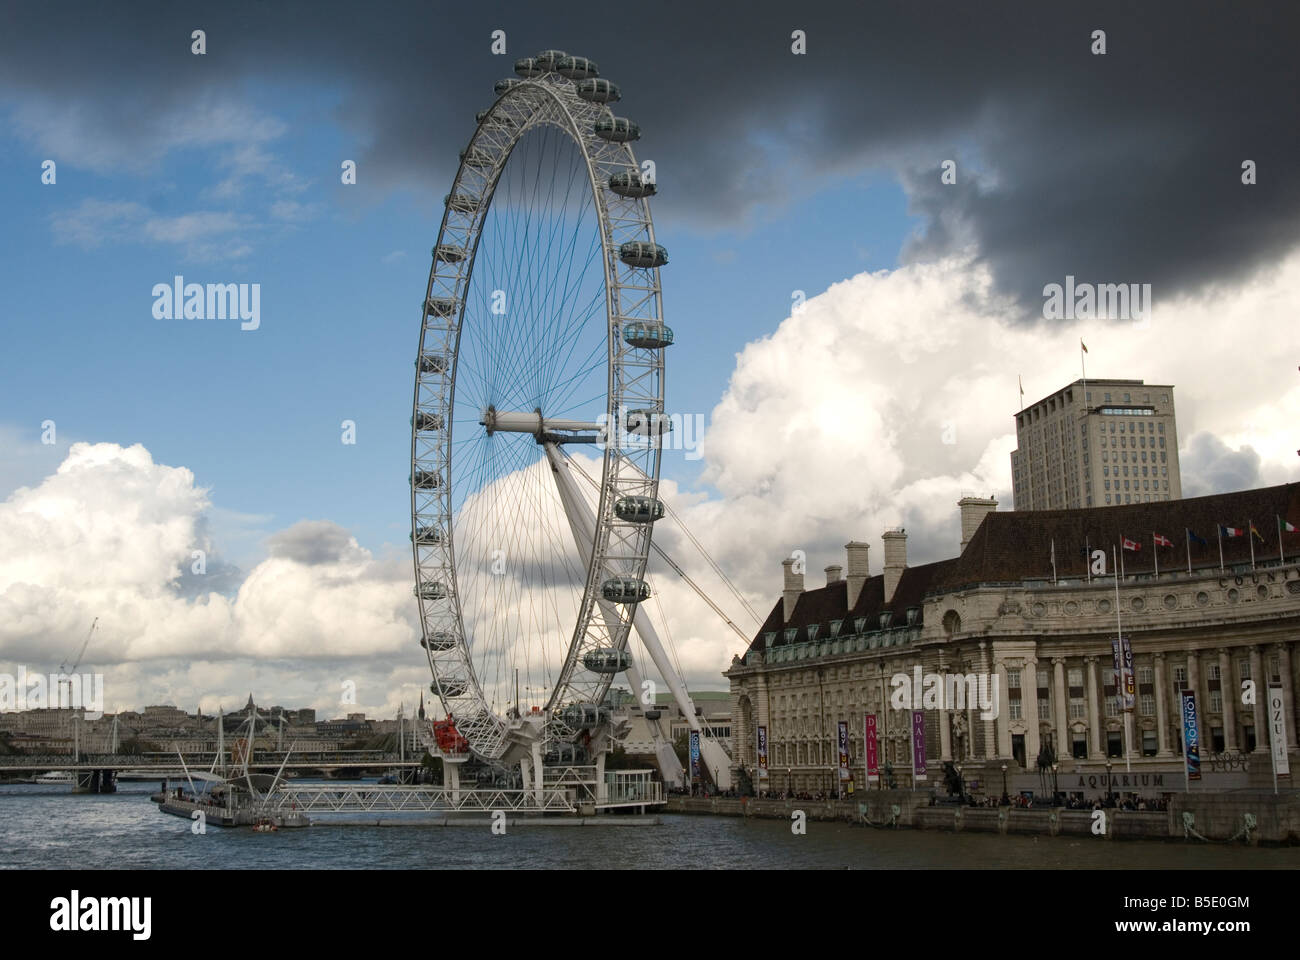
x: 973, y: 512
x: 833, y: 574
x: 895, y: 560
x: 858, y: 570
x: 793, y: 586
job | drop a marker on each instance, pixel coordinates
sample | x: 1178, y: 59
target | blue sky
x: 256, y: 414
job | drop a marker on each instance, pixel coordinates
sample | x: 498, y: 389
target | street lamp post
x: 1108, y: 792
x: 961, y: 783
x: 1005, y: 799
x: 1056, y: 790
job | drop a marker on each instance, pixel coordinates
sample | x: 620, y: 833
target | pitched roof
x: 1016, y: 545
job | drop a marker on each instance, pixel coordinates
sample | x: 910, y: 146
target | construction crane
x: 64, y: 669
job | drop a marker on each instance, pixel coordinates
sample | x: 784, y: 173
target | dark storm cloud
x: 1211, y: 466
x: 1117, y: 168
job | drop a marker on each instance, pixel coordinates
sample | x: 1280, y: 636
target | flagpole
x: 1087, y: 561
x: 1155, y: 553
x: 1250, y: 538
x: 1187, y: 542
x: 1053, y: 561
x: 1280, y: 557
x: 1121, y: 560
x: 1219, y: 527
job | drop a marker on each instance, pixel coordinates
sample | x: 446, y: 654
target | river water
x: 48, y: 826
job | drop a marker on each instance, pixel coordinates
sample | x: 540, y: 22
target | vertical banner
x: 695, y: 756
x: 1126, y: 663
x: 1116, y: 660
x: 1191, y: 737
x: 762, y: 753
x: 1277, y: 730
x: 844, y: 750
x: 918, y: 744
x: 869, y: 748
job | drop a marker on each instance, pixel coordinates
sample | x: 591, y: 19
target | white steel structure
x: 541, y: 327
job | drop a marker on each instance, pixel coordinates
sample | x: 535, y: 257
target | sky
x: 850, y: 327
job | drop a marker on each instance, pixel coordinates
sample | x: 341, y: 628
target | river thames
x: 49, y: 827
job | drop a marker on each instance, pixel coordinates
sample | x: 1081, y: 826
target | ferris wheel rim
x: 475, y: 719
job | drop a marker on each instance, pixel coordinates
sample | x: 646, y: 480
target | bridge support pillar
x: 537, y: 771
x: 451, y: 781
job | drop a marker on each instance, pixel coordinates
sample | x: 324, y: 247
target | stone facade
x: 1048, y: 641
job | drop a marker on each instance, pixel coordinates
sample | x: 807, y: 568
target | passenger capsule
x: 547, y: 59
x: 461, y: 202
x: 476, y: 157
x: 640, y: 253
x: 648, y: 423
x: 617, y: 129
x: 625, y: 590
x: 439, y: 642
x: 650, y: 334
x: 631, y: 185
x: 653, y: 714
x: 450, y: 688
x: 425, y: 534
x: 441, y: 306
x: 427, y: 421
x: 583, y: 716
x: 497, y: 119
x: 576, y: 68
x: 639, y: 509
x: 506, y: 85
x: 432, y: 363
x: 431, y: 590
x: 527, y: 67
x: 599, y: 91
x: 449, y: 253
x: 606, y: 660
x: 426, y: 480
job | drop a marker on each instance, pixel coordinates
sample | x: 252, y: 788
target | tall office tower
x: 1116, y: 444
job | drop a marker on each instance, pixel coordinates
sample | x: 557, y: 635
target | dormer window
x: 860, y: 624
x: 812, y: 631
x: 790, y: 634
x: 769, y: 638
x: 885, y: 618
x: 835, y: 627
x: 912, y: 614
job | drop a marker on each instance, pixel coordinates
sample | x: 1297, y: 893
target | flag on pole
x: 1256, y: 533
x: 1161, y: 541
x: 1232, y: 531
x: 1083, y: 345
x: 1288, y: 527
x: 1130, y: 544
x: 1192, y: 536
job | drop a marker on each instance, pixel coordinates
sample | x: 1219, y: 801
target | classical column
x: 1062, y: 708
x: 1029, y: 704
x: 990, y: 741
x: 1261, y: 699
x: 1228, y: 694
x: 1096, y: 749
x: 1288, y: 693
x: 945, y: 724
x: 1004, y: 712
x: 1162, y: 705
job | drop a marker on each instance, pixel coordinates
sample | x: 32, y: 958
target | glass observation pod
x: 653, y: 714
x: 431, y: 590
x: 426, y: 480
x: 576, y: 68
x: 651, y: 335
x: 581, y: 716
x: 641, y: 253
x: 461, y: 202
x: 505, y: 85
x: 527, y: 67
x: 449, y: 253
x: 450, y: 688
x: 639, y: 509
x: 432, y: 363
x: 476, y: 157
x: 495, y: 119
x: 439, y: 642
x: 606, y: 660
x: 625, y: 590
x: 427, y: 421
x: 425, y: 534
x: 599, y: 91
x: 631, y: 185
x: 441, y: 306
x: 617, y: 129
x: 547, y: 59
x: 648, y: 423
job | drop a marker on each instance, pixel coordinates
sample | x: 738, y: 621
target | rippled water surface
x: 43, y: 827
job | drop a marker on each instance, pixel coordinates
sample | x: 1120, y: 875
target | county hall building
x: 1032, y: 599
